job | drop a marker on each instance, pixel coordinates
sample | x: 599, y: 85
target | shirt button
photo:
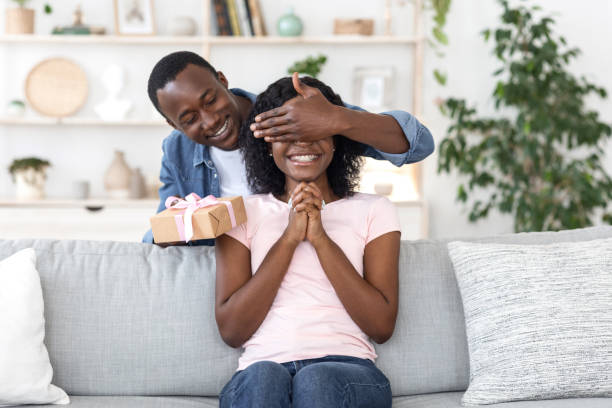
x: 209, y: 163
x: 215, y: 176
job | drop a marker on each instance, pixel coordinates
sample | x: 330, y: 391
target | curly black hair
x: 261, y: 170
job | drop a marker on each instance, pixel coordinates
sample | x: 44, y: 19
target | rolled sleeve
x: 418, y: 136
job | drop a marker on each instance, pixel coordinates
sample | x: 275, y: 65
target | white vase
x: 30, y: 184
x: 117, y: 177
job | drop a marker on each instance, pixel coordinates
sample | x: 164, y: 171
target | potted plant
x: 29, y: 175
x: 310, y: 65
x: 20, y: 20
x: 540, y: 157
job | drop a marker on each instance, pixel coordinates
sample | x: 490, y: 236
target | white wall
x: 85, y: 152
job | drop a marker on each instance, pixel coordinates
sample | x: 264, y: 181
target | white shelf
x: 77, y: 122
x: 332, y: 39
x: 96, y: 39
x: 212, y: 40
x: 91, y: 202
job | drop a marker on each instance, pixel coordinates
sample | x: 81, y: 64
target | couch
x: 132, y: 325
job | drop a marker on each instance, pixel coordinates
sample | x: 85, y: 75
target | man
x: 201, y: 155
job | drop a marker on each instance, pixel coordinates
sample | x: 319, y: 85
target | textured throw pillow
x: 538, y: 319
x: 25, y: 369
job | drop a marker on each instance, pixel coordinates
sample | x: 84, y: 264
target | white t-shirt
x: 307, y: 319
x: 231, y: 170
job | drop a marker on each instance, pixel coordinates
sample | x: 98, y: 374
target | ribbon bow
x: 191, y: 204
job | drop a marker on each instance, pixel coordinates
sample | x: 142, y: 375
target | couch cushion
x: 453, y: 400
x: 538, y: 319
x: 428, y: 351
x: 130, y: 318
x: 137, y: 402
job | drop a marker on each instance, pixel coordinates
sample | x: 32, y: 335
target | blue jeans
x: 328, y: 382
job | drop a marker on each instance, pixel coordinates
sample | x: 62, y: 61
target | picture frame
x: 373, y: 87
x: 134, y: 17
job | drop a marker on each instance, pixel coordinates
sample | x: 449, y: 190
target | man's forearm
x: 382, y: 132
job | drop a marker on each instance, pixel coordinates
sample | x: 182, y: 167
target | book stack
x: 238, y: 18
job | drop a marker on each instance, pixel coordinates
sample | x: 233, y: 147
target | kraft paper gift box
x: 196, y: 218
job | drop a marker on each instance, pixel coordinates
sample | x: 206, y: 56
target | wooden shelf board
x: 77, y: 122
x: 199, y: 40
x: 69, y: 203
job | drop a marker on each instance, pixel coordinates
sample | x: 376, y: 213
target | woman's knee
x: 264, y: 382
x: 340, y: 385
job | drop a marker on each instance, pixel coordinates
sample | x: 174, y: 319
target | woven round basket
x: 56, y: 87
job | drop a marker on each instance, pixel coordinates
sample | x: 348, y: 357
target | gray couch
x: 132, y: 325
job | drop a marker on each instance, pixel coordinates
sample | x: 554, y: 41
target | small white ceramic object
x: 113, y: 107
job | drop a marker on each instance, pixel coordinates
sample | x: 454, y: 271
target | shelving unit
x: 414, y: 44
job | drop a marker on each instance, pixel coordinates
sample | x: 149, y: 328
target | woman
x: 310, y: 277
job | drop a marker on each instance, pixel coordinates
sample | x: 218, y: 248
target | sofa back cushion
x: 130, y: 318
x: 136, y: 319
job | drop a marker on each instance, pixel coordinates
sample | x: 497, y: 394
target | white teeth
x: 223, y: 128
x: 305, y: 158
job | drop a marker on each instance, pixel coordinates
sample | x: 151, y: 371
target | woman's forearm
x: 366, y: 305
x: 242, y: 313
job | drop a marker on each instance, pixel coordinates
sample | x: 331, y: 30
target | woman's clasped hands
x: 305, y: 223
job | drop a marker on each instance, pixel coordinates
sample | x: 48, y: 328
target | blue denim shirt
x: 188, y: 168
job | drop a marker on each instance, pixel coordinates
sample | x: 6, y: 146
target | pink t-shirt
x: 307, y: 319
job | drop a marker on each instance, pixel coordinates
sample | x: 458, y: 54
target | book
x: 257, y: 18
x: 223, y: 23
x: 233, y: 17
x: 214, y: 25
x: 249, y: 16
x: 243, y: 18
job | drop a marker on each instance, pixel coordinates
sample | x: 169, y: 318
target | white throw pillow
x: 538, y: 319
x: 25, y: 369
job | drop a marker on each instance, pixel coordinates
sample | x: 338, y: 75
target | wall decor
x: 113, y: 107
x: 56, y: 87
x: 134, y: 17
x: 373, y: 87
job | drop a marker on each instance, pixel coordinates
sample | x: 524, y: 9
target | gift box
x: 196, y: 218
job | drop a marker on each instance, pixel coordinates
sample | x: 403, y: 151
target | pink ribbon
x: 191, y: 204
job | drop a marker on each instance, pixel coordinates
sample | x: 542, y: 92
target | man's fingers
x: 274, y: 132
x: 270, y: 123
x: 287, y: 138
x: 301, y: 88
x: 280, y: 111
x: 297, y: 84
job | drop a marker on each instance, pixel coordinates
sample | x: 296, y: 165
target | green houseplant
x: 540, y: 158
x: 310, y: 65
x: 29, y: 175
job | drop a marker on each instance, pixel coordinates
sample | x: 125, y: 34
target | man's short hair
x: 167, y: 69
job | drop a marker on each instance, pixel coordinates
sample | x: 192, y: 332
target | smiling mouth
x: 221, y: 130
x: 304, y: 159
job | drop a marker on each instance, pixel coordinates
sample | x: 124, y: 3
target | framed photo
x: 373, y: 88
x: 134, y: 17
